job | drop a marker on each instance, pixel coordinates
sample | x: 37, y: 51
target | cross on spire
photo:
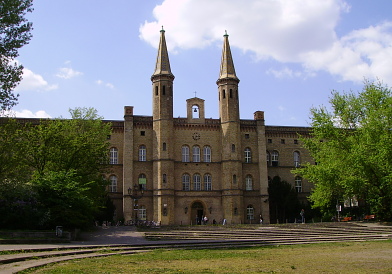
x: 195, y: 93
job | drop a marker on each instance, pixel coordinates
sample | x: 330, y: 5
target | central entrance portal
x: 197, y: 213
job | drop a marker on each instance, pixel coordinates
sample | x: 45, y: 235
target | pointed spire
x: 227, y: 69
x: 162, y: 65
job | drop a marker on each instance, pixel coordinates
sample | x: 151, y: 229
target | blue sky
x: 288, y: 54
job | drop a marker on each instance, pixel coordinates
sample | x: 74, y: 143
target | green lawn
x: 354, y: 257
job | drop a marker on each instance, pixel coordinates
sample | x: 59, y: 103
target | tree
x: 283, y: 199
x: 61, y: 162
x: 14, y: 34
x: 352, y: 146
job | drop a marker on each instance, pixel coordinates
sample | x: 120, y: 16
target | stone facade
x: 193, y: 167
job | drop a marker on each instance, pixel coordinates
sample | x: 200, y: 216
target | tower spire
x: 162, y: 66
x: 227, y: 69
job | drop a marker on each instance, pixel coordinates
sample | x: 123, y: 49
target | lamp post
x: 135, y: 196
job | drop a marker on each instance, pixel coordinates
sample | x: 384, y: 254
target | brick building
x: 192, y: 167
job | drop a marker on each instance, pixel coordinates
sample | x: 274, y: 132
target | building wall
x: 209, y: 134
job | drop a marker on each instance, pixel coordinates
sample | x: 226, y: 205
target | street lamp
x: 135, y: 196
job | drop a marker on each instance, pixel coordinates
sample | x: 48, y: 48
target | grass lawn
x: 352, y: 257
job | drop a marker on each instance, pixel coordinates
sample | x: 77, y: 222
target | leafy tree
x: 14, y: 34
x: 283, y: 199
x: 352, y: 146
x: 61, y: 162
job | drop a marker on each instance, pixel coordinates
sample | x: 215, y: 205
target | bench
x: 369, y: 217
x: 346, y: 219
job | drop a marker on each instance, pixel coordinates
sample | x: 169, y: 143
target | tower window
x: 248, y: 182
x: 164, y: 90
x: 142, y: 212
x: 142, y: 133
x: 164, y: 178
x: 142, y: 153
x: 224, y: 94
x: 164, y: 146
x: 156, y: 90
x: 233, y: 148
x: 142, y: 182
x: 231, y: 93
x: 248, y: 155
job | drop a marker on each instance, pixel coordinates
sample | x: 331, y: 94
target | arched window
x: 196, y: 182
x: 298, y: 184
x: 297, y: 160
x: 185, y: 182
x: 268, y: 159
x: 207, y: 182
x: 207, y: 154
x: 113, y: 183
x: 275, y: 158
x: 185, y: 153
x: 250, y: 213
x: 164, y: 178
x: 233, y: 148
x: 142, y: 212
x: 196, y: 154
x: 164, y: 146
x: 248, y: 182
x: 113, y: 160
x: 142, y: 182
x: 248, y: 155
x: 234, y: 179
x: 195, y: 112
x: 142, y: 153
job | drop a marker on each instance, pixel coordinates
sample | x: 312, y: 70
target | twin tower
x: 195, y: 167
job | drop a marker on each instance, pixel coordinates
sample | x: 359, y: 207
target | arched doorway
x: 197, y: 213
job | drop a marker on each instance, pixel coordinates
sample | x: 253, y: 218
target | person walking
x: 302, y: 213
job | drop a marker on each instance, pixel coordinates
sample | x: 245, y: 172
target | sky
x: 288, y: 54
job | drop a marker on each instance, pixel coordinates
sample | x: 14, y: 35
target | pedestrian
x: 205, y: 220
x: 302, y: 213
x: 261, y: 219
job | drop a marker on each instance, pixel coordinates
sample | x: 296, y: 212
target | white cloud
x: 284, y: 73
x: 102, y: 83
x: 297, y: 31
x: 281, y: 29
x: 68, y: 73
x: 32, y: 81
x: 362, y: 53
x: 26, y: 114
